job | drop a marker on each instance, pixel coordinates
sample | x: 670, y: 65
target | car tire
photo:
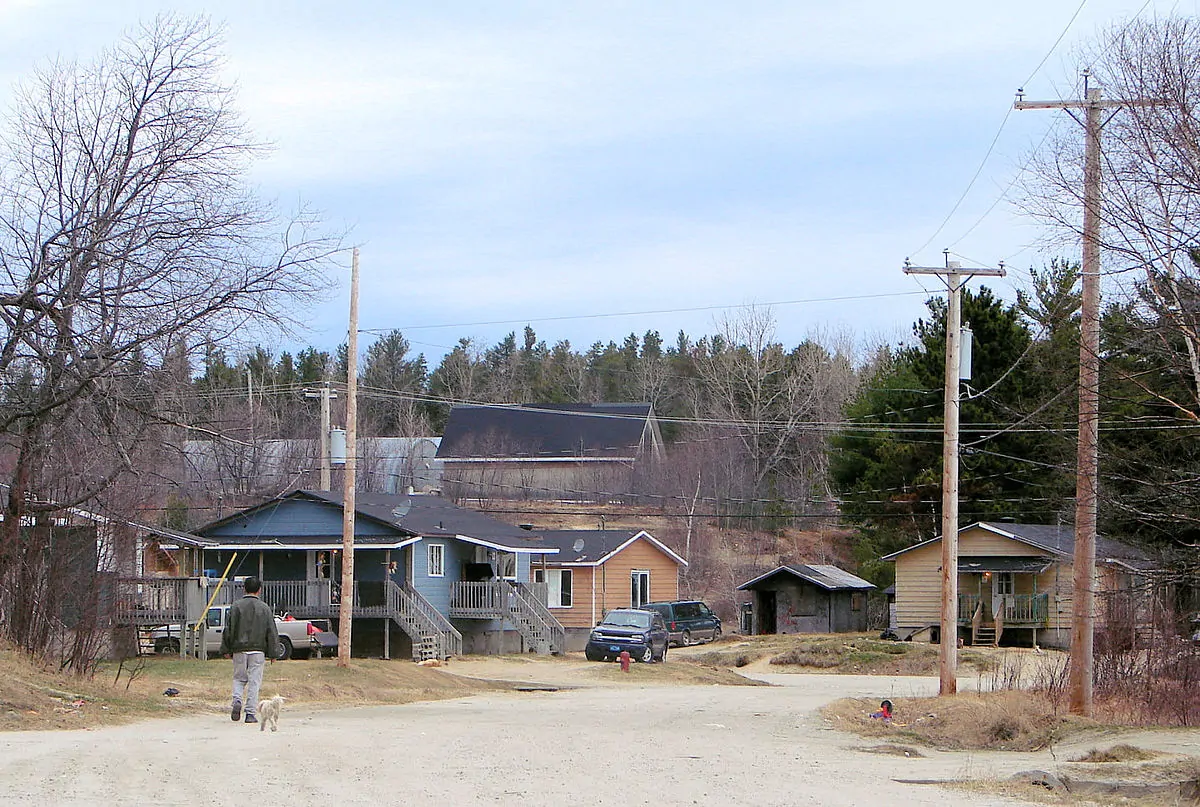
x: 590, y: 656
x: 647, y: 655
x: 685, y: 640
x: 167, y: 647
x: 285, y: 648
x: 716, y: 633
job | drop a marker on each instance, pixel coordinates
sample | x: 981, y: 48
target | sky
x: 575, y: 165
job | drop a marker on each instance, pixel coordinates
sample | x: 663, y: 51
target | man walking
x: 250, y: 636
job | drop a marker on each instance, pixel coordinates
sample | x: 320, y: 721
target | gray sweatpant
x: 247, y: 678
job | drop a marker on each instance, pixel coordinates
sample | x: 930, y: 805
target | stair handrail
x: 406, y: 602
x: 535, y: 608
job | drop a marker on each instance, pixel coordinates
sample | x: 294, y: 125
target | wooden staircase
x: 542, y: 632
x: 984, y: 635
x: 432, y: 635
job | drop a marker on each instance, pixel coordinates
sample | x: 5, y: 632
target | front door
x: 766, y: 612
x: 639, y: 588
x: 1003, y: 587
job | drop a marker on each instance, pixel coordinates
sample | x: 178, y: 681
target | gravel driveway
x: 600, y: 745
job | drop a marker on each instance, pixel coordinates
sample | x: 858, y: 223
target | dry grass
x: 687, y: 673
x: 1000, y: 721
x: 1118, y: 753
x: 854, y: 654
x: 34, y: 697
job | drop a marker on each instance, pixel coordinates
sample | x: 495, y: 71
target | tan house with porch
x: 1014, y: 581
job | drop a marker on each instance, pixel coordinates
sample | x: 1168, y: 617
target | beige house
x: 1015, y: 581
x: 595, y: 571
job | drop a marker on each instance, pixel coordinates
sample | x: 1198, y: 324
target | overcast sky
x: 522, y: 162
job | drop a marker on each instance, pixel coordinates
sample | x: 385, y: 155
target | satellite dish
x: 578, y: 545
x: 401, y: 511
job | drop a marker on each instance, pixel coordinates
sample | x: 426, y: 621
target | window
x: 1004, y: 583
x: 559, y: 586
x: 639, y: 589
x: 437, y: 560
x: 857, y: 601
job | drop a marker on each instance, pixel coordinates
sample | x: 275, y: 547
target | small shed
x: 799, y: 598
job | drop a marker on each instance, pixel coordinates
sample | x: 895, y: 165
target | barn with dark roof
x: 547, y: 450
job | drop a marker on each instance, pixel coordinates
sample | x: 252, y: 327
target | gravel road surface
x: 663, y: 745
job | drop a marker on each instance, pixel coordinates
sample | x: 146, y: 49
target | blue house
x: 430, y: 578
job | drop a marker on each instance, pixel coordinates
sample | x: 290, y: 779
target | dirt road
x: 594, y: 745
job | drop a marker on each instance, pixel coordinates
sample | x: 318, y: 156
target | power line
x: 526, y: 320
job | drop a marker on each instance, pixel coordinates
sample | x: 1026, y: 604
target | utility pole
x: 1083, y: 622
x: 324, y: 393
x: 346, y: 611
x: 954, y: 276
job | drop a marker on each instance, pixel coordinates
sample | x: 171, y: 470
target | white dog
x: 268, y: 712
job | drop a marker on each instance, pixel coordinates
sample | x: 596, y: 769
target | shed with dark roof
x: 808, y: 598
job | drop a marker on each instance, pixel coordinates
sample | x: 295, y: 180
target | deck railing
x: 1018, y: 609
x: 148, y: 601
x: 486, y: 599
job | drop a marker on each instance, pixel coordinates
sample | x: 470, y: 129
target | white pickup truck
x: 296, y: 639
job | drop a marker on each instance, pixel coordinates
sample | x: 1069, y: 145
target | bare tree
x: 127, y: 233
x: 779, y: 405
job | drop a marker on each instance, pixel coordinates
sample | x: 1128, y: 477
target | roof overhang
x: 319, y: 544
x: 1003, y: 564
x: 531, y: 550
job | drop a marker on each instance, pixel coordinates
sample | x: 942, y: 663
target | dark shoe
x: 251, y: 718
x: 235, y: 713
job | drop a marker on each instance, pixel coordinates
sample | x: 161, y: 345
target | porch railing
x: 147, y: 601
x: 484, y: 599
x: 1018, y: 609
x: 304, y: 599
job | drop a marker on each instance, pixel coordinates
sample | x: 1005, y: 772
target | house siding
x: 919, y: 584
x: 298, y: 518
x: 614, y: 575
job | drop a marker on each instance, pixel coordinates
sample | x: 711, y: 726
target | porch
x: 521, y: 604
x: 1013, y: 610
x: 143, y: 602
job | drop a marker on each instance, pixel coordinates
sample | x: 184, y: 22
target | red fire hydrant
x: 624, y: 658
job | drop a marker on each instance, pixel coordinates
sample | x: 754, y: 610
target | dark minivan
x: 688, y: 621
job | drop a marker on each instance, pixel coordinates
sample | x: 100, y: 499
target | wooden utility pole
x: 954, y: 276
x: 346, y: 611
x: 1083, y: 622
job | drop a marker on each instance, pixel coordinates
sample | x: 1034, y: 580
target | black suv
x: 642, y: 633
x: 688, y: 621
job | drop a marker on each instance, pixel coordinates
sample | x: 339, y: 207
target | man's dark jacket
x: 250, y: 625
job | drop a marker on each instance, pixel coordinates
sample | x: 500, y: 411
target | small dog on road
x: 268, y: 712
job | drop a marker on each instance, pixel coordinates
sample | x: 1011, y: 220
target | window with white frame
x: 436, y: 560
x: 560, y: 589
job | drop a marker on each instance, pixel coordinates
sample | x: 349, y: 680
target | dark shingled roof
x: 415, y: 515
x: 433, y: 516
x: 1056, y: 539
x: 544, y: 431
x: 595, y: 545
x: 830, y: 578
